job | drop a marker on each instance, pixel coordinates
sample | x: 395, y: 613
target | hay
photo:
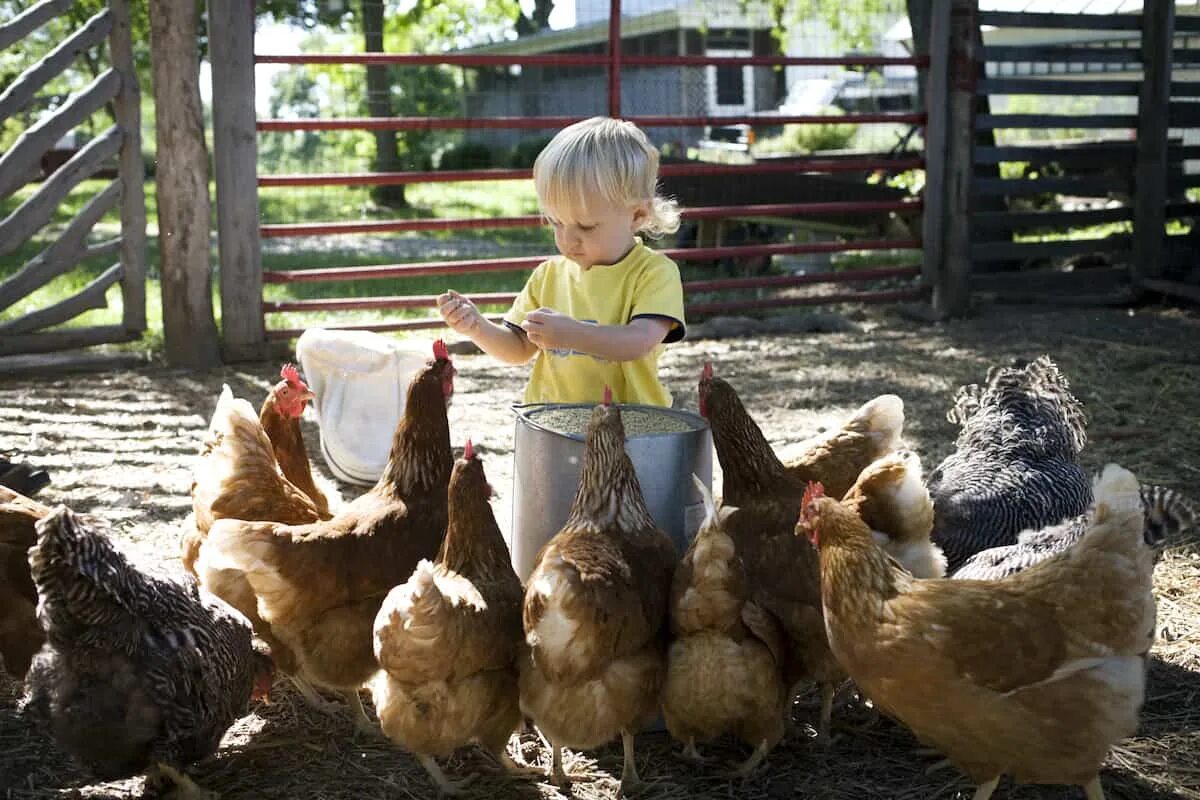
x: 129, y: 438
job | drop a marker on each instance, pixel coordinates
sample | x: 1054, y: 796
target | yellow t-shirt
x: 642, y: 284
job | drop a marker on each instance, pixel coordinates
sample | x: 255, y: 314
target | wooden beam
x: 1091, y: 87
x: 231, y: 39
x: 1101, y: 153
x: 63, y: 253
x: 189, y: 328
x: 1100, y: 279
x: 26, y: 152
x: 35, y: 212
x: 1006, y: 251
x: 131, y: 170
x: 1173, y: 288
x: 1150, y: 197
x: 1044, y: 121
x: 30, y: 20
x: 21, y: 92
x: 937, y: 108
x: 1091, y: 186
x: 68, y: 339
x: 1083, y: 22
x: 1013, y: 220
x: 91, y: 296
x: 1059, y: 54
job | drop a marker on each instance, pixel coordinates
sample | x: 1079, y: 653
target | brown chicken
x: 319, y: 586
x: 891, y: 498
x: 20, y: 634
x: 724, y: 663
x: 782, y: 568
x: 280, y: 418
x: 449, y: 640
x: 595, y: 609
x: 1035, y: 675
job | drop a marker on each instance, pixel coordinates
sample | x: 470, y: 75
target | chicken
x: 319, y: 586
x: 596, y: 607
x: 724, y: 663
x: 449, y: 639
x: 782, y: 568
x: 280, y: 419
x: 1035, y: 675
x: 1168, y: 515
x: 1015, y: 466
x: 23, y: 478
x: 835, y: 458
x: 891, y: 498
x: 138, y: 671
x: 20, y: 634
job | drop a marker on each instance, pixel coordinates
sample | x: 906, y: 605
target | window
x: 731, y: 86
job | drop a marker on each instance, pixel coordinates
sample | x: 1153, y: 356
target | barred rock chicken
x: 724, y: 665
x: 1035, y: 675
x: 892, y: 499
x: 23, y: 478
x: 1015, y: 467
x: 319, y: 586
x: 781, y: 567
x: 596, y: 607
x: 139, y: 672
x: 1168, y: 515
x: 449, y: 639
x: 20, y: 634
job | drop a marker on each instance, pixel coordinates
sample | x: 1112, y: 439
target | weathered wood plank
x: 19, y: 161
x: 35, y: 212
x: 243, y: 329
x: 1178, y: 210
x: 937, y: 108
x: 1094, y: 87
x: 1038, y: 282
x: 131, y: 169
x: 1184, y: 114
x: 1185, y: 57
x: 1088, y: 186
x: 1084, y: 22
x: 1058, y: 54
x: 952, y: 291
x: 1012, y: 220
x: 21, y: 92
x: 1150, y: 199
x: 1043, y: 121
x: 63, y: 254
x: 68, y: 339
x: 1185, y: 88
x: 1004, y: 251
x: 30, y: 20
x: 40, y: 365
x: 1187, y: 24
x: 1098, y: 154
x: 1173, y: 288
x: 91, y: 296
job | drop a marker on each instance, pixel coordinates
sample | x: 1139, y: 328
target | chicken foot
x: 691, y: 753
x: 513, y: 767
x: 185, y: 787
x: 361, y: 721
x: 445, y: 786
x: 747, y: 767
x: 559, y: 776
x: 630, y: 782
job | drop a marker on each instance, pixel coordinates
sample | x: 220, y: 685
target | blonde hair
x: 606, y: 159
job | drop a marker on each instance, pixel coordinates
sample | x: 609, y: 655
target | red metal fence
x: 614, y: 60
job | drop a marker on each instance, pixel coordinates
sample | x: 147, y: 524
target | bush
x: 468, y: 155
x: 525, y: 152
x: 811, y: 138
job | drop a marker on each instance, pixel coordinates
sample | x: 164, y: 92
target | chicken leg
x: 511, y: 765
x: 823, y: 721
x: 1093, y: 789
x: 361, y: 721
x: 445, y: 786
x: 691, y: 753
x: 984, y: 790
x: 185, y: 787
x: 747, y: 767
x: 630, y: 782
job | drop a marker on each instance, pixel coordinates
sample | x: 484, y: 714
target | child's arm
x: 548, y: 329
x: 499, y: 341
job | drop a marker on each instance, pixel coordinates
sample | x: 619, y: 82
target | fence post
x: 614, y: 59
x: 1154, y: 106
x: 131, y: 172
x: 235, y: 155
x: 936, y: 92
x: 952, y: 290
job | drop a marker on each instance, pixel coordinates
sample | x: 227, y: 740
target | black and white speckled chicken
x: 139, y: 672
x: 1015, y: 467
x: 1169, y: 515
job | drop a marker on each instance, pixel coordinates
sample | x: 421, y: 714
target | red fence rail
x: 613, y: 61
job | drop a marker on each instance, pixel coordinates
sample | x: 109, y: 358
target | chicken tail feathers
x: 248, y: 548
x: 715, y: 585
x: 1169, y: 514
x: 882, y: 419
x: 409, y: 632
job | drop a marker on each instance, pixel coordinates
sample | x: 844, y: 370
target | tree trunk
x: 379, y: 104
x: 182, y: 177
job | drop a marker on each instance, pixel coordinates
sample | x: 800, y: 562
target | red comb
x: 814, y: 491
x: 439, y: 351
x: 289, y: 373
x: 607, y: 395
x: 468, y: 451
x: 707, y: 372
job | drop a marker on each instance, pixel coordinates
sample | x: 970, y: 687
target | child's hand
x: 549, y: 329
x: 459, y: 313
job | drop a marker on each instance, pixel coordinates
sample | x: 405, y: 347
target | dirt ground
x: 121, y: 444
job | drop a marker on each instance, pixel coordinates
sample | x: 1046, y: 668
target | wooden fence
x: 117, y: 89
